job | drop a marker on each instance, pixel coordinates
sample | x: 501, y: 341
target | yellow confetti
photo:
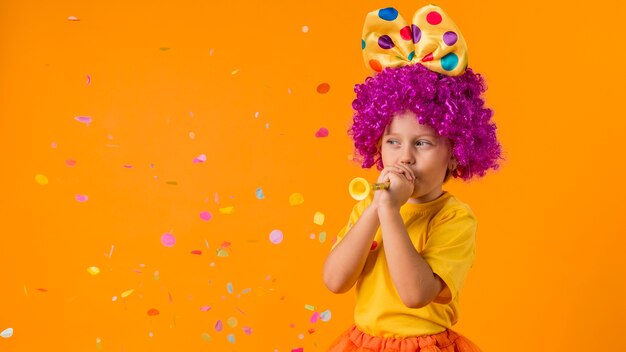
x: 227, y: 210
x: 127, y: 293
x: 93, y: 270
x: 235, y: 71
x: 41, y: 179
x: 296, y: 199
x: 318, y: 218
x: 309, y: 307
x: 232, y: 322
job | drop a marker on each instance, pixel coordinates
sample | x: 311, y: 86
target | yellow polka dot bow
x: 432, y: 39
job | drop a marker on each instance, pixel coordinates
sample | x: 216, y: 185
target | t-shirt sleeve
x: 357, y: 210
x: 450, y: 249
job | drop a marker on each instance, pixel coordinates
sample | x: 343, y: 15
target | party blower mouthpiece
x: 359, y: 188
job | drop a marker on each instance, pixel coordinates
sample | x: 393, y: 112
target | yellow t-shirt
x: 443, y: 231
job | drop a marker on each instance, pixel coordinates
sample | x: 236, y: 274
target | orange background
x: 236, y: 81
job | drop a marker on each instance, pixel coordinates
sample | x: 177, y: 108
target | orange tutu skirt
x: 447, y: 341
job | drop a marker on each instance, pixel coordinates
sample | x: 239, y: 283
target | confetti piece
x: 318, y: 218
x: 225, y: 244
x: 231, y: 338
x: 305, y: 29
x: 219, y: 326
x: 206, y: 337
x: 229, y: 287
x: 98, y: 341
x: 246, y: 290
x: 256, y: 115
x: 323, y: 88
x: 172, y: 183
x: 311, y: 331
x: 222, y: 253
x: 169, y: 298
x: 83, y: 119
x: 276, y: 236
x: 196, y: 252
x: 111, y: 252
x: 312, y: 236
x: 211, y: 52
x: 41, y: 179
x: 301, y: 336
x: 247, y: 330
x: 299, y: 349
x: 6, y: 333
x: 127, y: 293
x: 128, y: 166
x: 168, y: 240
x: 314, y: 317
x: 227, y: 210
x: 235, y: 71
x: 93, y: 270
x: 150, y: 334
x: 164, y: 48
x: 322, y: 237
x: 53, y: 145
x: 232, y: 322
x: 259, y: 193
x: 88, y: 79
x: 267, y: 125
x: 288, y: 90
x: 81, y: 198
x: 199, y: 159
x: 309, y: 307
x: 153, y: 311
x: 321, y: 133
x: 114, y: 298
x: 325, y: 315
x: 156, y: 275
x: 42, y: 289
x: 205, y: 215
x: 296, y: 199
x: 192, y: 135
x: 70, y: 162
x: 73, y: 18
x: 205, y: 308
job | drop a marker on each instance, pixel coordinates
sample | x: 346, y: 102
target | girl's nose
x: 407, y: 157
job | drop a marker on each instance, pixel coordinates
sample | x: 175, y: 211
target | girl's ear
x: 452, y: 164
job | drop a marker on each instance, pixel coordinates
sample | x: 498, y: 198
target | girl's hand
x: 401, y: 179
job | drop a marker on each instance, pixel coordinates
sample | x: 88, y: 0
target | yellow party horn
x: 359, y: 188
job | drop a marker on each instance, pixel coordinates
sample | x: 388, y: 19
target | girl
x: 421, y: 119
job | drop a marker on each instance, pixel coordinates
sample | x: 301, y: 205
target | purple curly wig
x: 451, y: 105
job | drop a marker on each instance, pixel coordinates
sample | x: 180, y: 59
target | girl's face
x: 419, y: 147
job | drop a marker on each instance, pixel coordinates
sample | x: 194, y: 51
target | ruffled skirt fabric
x: 354, y: 340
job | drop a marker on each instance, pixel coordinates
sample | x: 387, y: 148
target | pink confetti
x: 315, y: 317
x: 205, y: 308
x: 200, y: 159
x: 225, y: 245
x: 299, y: 349
x: 81, y: 198
x: 84, y: 119
x: 88, y: 79
x: 153, y: 312
x: 321, y: 133
x: 168, y: 240
x: 205, y: 215
x: 219, y: 326
x: 276, y: 236
x: 196, y: 252
x: 247, y: 330
x: 70, y: 162
x: 73, y: 18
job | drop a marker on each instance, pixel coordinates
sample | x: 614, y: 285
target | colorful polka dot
x: 375, y: 65
x: 362, y: 44
x: 385, y: 42
x: 388, y: 14
x: 433, y: 18
x: 405, y: 33
x: 411, y: 56
x: 417, y: 33
x: 449, y: 62
x: 450, y: 38
x: 428, y: 57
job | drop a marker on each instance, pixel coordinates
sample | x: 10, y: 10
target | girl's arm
x: 413, y: 278
x: 345, y: 262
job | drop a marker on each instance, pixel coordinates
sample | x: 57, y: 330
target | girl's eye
x: 392, y: 141
x: 422, y: 143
